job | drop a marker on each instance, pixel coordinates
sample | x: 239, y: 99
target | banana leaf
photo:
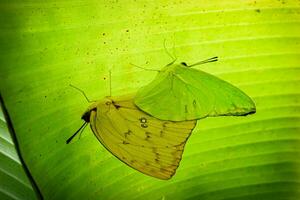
x: 47, y: 45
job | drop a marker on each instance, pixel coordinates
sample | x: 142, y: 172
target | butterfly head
x: 86, y: 116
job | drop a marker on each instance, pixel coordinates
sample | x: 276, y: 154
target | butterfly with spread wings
x: 145, y: 143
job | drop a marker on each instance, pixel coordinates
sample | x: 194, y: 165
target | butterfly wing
x: 151, y: 146
x: 186, y: 93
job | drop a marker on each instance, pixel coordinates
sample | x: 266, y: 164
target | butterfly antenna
x: 145, y: 68
x: 169, y: 54
x: 81, y: 128
x: 213, y: 59
x: 81, y: 92
x: 110, y: 83
x: 174, y: 52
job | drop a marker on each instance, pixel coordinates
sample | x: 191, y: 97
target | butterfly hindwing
x: 149, y: 145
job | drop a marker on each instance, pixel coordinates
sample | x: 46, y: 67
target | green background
x: 47, y: 45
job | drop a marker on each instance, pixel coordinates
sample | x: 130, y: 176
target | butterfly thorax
x: 102, y: 106
x: 174, y: 67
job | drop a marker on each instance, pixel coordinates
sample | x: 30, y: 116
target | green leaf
x: 47, y: 45
x: 14, y: 183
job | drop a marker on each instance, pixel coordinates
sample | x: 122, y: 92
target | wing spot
x: 148, y: 136
x: 143, y: 120
x: 157, y: 155
x: 161, y: 134
x: 194, y: 102
x: 133, y: 161
x: 125, y: 142
x: 165, y: 124
x: 127, y: 133
x: 143, y: 125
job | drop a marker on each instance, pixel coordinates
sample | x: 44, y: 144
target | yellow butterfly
x: 147, y: 144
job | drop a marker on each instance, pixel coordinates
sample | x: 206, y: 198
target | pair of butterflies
x: 148, y: 130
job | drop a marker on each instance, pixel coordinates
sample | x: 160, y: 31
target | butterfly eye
x: 108, y: 103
